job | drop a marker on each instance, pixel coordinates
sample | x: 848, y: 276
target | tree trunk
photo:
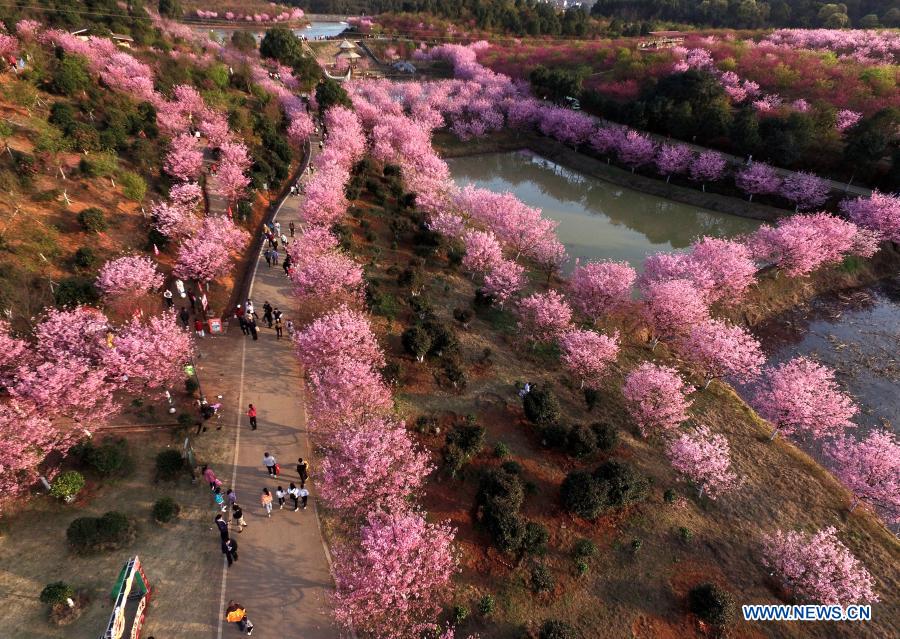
x: 708, y: 382
x: 703, y: 187
x: 750, y: 199
x: 774, y: 434
x: 668, y: 177
x: 700, y: 494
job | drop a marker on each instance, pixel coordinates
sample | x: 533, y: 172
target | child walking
x: 237, y: 516
x: 279, y: 493
x: 294, y: 493
x: 266, y: 501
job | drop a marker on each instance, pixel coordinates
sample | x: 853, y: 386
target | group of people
x: 300, y: 496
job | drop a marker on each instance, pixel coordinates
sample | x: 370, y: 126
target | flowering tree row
x: 391, y: 583
x: 231, y: 16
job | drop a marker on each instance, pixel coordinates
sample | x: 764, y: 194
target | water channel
x: 597, y: 219
x: 856, y: 333
x: 314, y: 31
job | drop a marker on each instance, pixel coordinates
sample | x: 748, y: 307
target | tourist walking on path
x: 229, y: 549
x: 209, y: 476
x: 294, y: 494
x: 222, y: 525
x: 304, y: 496
x: 268, y: 255
x: 279, y: 329
x: 237, y: 516
x: 198, y: 326
x: 270, y: 464
x: 302, y: 471
x: 292, y: 228
x: 251, y: 413
x: 289, y: 326
x: 251, y: 326
x: 184, y: 316
x: 219, y: 499
x: 167, y: 294
x: 279, y: 495
x: 267, y: 314
x: 193, y: 300
x: 235, y: 613
x: 230, y: 497
x: 266, y: 501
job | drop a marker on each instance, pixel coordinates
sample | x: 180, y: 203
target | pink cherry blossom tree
x: 709, y: 166
x: 601, y: 288
x: 800, y: 397
x: 704, y: 458
x: 656, y: 398
x: 544, y: 316
x: 342, y: 332
x: 130, y: 275
x: 505, y: 279
x: 671, y: 307
x: 728, y: 264
x: 870, y: 468
x: 150, y: 354
x: 184, y: 160
x: 187, y: 195
x: 209, y: 253
x: 483, y: 251
x: 588, y: 355
x: 722, y: 350
x: 345, y: 391
x: 818, y: 568
x: 300, y: 128
x: 391, y: 585
x: 805, y: 190
x: 332, y: 276
x: 878, y: 212
x: 173, y: 219
x: 372, y: 465
x: 757, y: 179
x: 672, y: 159
x: 635, y: 150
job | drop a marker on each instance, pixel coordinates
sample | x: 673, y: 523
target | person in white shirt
x: 304, y: 495
x: 270, y: 463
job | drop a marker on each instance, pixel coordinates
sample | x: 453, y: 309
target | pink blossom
x: 482, y: 251
x: 588, y: 355
x: 705, y: 459
x: 846, y: 119
x: 722, y: 350
x: 879, y: 212
x: 656, y: 398
x: 672, y: 159
x: 340, y: 333
x: 391, y: 585
x: 805, y: 190
x: 870, y: 468
x: 184, y: 160
x: 151, y: 354
x: 728, y: 264
x: 757, y: 179
x: 129, y: 275
x: 331, y: 276
x: 800, y: 397
x: 544, y: 316
x: 635, y: 150
x: 818, y: 567
x: 600, y: 288
x: 208, y: 254
x: 709, y: 166
x: 671, y: 307
x: 503, y: 280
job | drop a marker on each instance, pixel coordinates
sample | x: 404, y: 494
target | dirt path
x: 282, y: 576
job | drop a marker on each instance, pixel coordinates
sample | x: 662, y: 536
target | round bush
x: 67, y: 485
x: 621, y: 484
x: 165, y: 510
x: 169, y: 465
x: 73, y: 291
x: 460, y: 614
x: 606, y: 435
x: 534, y: 541
x: 582, y: 495
x: 541, y: 407
x: 555, y: 435
x: 57, y: 593
x: 584, y: 549
x: 486, y: 605
x: 582, y: 442
x: 416, y: 342
x: 109, y: 458
x: 712, y: 604
x: 555, y: 629
x: 85, y: 257
x: 541, y: 579
x: 92, y: 220
x: 91, y: 534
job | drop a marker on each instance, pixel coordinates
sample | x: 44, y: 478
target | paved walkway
x: 282, y: 576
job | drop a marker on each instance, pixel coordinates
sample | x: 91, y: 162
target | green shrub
x: 712, y: 604
x: 584, y: 549
x: 169, y: 465
x: 70, y: 76
x: 534, y: 541
x: 555, y: 435
x: 186, y: 420
x: 591, y: 398
x: 165, y: 510
x: 501, y: 450
x: 243, y: 41
x: 486, y: 605
x: 74, y: 291
x: 670, y: 496
x: 133, y: 186
x: 685, y: 534
x: 541, y: 579
x: 582, y: 495
x: 443, y: 339
x: 621, y: 484
x: 499, y: 498
x: 92, y: 220
x: 460, y: 614
x: 67, y: 484
x: 636, y: 545
x: 463, y: 442
x: 555, y: 629
x: 416, y: 342
x: 91, y: 534
x: 63, y: 116
x: 606, y: 435
x: 85, y: 257
x: 541, y: 407
x: 582, y: 567
x: 108, y: 458
x: 582, y: 442
x: 191, y: 385
x: 56, y: 593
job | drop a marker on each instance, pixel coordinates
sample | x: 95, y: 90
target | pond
x: 856, y: 333
x: 597, y: 219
